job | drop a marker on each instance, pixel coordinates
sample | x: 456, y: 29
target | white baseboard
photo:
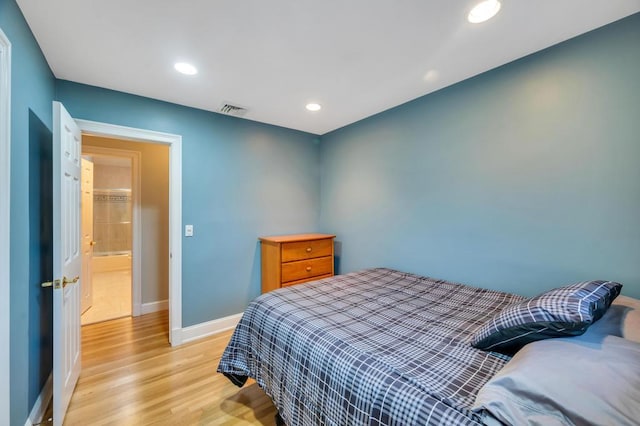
x: 208, y: 328
x: 175, y: 337
x: 160, y: 305
x: 41, y: 404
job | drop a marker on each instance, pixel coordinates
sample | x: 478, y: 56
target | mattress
x: 379, y: 347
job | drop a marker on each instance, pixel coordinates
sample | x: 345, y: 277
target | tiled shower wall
x: 112, y: 210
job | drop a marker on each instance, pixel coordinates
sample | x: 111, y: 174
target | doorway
x: 131, y: 225
x: 108, y: 199
x: 174, y: 253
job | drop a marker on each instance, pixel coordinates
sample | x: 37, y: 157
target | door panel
x: 87, y: 235
x: 67, y: 259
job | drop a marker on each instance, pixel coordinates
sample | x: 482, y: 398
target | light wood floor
x: 132, y: 376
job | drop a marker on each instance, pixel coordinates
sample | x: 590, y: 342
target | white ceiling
x: 355, y: 57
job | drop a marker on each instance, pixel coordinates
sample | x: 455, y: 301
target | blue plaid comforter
x: 378, y: 347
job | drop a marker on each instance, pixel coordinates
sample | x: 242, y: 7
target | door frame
x: 5, y: 226
x: 175, y: 207
x: 136, y: 216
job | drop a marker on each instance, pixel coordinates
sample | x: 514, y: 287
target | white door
x: 67, y: 259
x: 87, y: 235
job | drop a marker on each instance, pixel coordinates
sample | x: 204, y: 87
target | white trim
x: 175, y: 208
x: 136, y: 231
x: 40, y: 406
x: 175, y: 244
x: 129, y: 133
x: 208, y: 328
x: 5, y: 226
x: 160, y: 305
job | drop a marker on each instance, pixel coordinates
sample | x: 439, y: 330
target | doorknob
x: 66, y: 281
x: 92, y: 243
x: 54, y: 284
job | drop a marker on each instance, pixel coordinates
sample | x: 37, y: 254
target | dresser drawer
x: 301, y: 250
x: 288, y: 260
x: 306, y: 280
x: 302, y: 269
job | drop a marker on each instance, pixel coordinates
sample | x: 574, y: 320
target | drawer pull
x: 308, y: 249
x: 308, y: 268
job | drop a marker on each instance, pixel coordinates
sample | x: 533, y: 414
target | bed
x: 378, y: 347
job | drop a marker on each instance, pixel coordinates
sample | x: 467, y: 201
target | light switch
x: 188, y: 230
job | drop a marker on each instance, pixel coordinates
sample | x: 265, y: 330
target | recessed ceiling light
x: 185, y: 68
x: 431, y: 75
x: 313, y: 107
x: 483, y: 11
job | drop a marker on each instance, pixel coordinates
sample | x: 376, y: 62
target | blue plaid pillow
x: 564, y: 311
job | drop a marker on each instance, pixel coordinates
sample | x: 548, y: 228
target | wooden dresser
x: 295, y: 259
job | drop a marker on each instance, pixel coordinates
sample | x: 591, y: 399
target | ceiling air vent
x: 231, y: 109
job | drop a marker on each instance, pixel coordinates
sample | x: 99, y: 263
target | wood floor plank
x: 132, y: 376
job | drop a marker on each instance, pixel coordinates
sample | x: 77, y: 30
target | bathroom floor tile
x: 111, y: 297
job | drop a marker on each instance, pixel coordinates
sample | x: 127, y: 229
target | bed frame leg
x: 279, y: 421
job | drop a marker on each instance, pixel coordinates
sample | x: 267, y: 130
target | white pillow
x: 622, y: 319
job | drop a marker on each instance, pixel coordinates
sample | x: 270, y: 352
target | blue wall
x: 32, y: 90
x: 241, y: 180
x: 40, y: 300
x: 520, y: 179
